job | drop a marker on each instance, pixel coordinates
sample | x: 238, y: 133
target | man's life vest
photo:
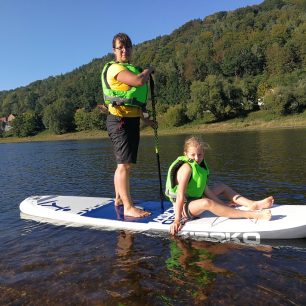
x: 135, y: 96
x: 197, y: 183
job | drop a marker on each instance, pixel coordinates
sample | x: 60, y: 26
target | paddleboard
x: 287, y: 222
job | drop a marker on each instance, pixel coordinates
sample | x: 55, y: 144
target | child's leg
x: 198, y: 206
x: 235, y: 197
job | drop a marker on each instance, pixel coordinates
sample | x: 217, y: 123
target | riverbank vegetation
x: 223, y: 70
x: 260, y: 120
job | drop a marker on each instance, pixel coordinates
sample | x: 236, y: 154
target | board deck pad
x: 112, y: 212
x: 108, y: 210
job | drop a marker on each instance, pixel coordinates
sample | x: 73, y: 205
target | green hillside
x: 211, y: 69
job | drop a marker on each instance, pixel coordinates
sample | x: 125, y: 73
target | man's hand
x: 150, y: 122
x: 102, y: 108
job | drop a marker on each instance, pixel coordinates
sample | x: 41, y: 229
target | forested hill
x: 222, y: 64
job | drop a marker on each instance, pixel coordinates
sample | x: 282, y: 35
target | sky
x: 42, y: 38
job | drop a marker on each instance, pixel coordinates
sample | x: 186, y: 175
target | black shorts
x: 124, y: 134
x: 187, y: 212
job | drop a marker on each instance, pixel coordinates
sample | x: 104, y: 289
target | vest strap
x: 117, y: 101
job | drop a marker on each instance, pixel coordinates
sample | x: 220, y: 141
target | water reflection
x: 202, y: 270
x: 194, y: 265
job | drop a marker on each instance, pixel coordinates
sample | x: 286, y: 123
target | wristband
x: 145, y: 115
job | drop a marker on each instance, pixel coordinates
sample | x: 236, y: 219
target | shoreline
x: 234, y: 125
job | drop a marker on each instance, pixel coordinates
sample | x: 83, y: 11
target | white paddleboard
x: 287, y: 222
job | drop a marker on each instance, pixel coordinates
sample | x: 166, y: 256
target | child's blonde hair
x: 194, y: 141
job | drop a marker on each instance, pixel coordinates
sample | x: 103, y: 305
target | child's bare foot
x: 265, y: 203
x: 264, y: 215
x: 136, y: 212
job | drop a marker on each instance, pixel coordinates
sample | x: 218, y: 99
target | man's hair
x: 124, y: 39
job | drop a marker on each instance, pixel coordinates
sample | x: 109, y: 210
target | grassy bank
x: 254, y: 121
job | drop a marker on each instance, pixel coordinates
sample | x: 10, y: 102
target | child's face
x: 196, y: 153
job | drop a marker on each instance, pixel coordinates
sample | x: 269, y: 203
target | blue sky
x: 42, y: 38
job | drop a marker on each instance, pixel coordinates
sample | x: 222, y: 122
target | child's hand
x: 175, y: 227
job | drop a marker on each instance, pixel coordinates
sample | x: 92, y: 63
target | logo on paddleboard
x: 54, y: 205
x: 253, y: 238
x: 167, y: 217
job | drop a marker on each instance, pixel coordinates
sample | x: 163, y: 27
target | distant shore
x: 237, y: 124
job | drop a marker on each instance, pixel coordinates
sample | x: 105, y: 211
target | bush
x: 82, y: 120
x: 94, y: 120
x: 27, y: 124
x: 300, y: 93
x: 160, y: 107
x: 175, y: 116
x: 98, y: 119
x: 281, y: 101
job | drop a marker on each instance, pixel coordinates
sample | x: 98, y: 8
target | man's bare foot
x: 118, y: 202
x: 136, y: 212
x: 264, y: 215
x: 265, y: 203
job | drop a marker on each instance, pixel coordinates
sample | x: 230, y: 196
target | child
x: 187, y: 189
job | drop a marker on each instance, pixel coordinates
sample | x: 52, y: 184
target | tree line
x: 227, y: 65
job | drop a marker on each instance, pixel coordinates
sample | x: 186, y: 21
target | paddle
x: 156, y: 142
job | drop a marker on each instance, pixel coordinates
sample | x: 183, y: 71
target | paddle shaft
x: 156, y: 142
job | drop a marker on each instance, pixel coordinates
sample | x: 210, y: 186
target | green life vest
x: 135, y: 96
x: 197, y: 183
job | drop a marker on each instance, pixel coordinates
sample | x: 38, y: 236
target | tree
x: 98, y: 119
x: 209, y: 96
x: 172, y: 87
x: 219, y: 96
x: 82, y: 120
x: 300, y: 93
x: 240, y: 62
x: 94, y: 120
x: 27, y: 124
x: 280, y: 59
x: 59, y: 117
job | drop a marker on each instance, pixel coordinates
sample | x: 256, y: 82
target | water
x: 45, y: 264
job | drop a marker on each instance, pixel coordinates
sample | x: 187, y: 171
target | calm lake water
x: 45, y: 264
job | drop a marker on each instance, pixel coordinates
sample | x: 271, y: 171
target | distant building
x: 5, y: 123
x: 260, y: 102
x: 10, y: 118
